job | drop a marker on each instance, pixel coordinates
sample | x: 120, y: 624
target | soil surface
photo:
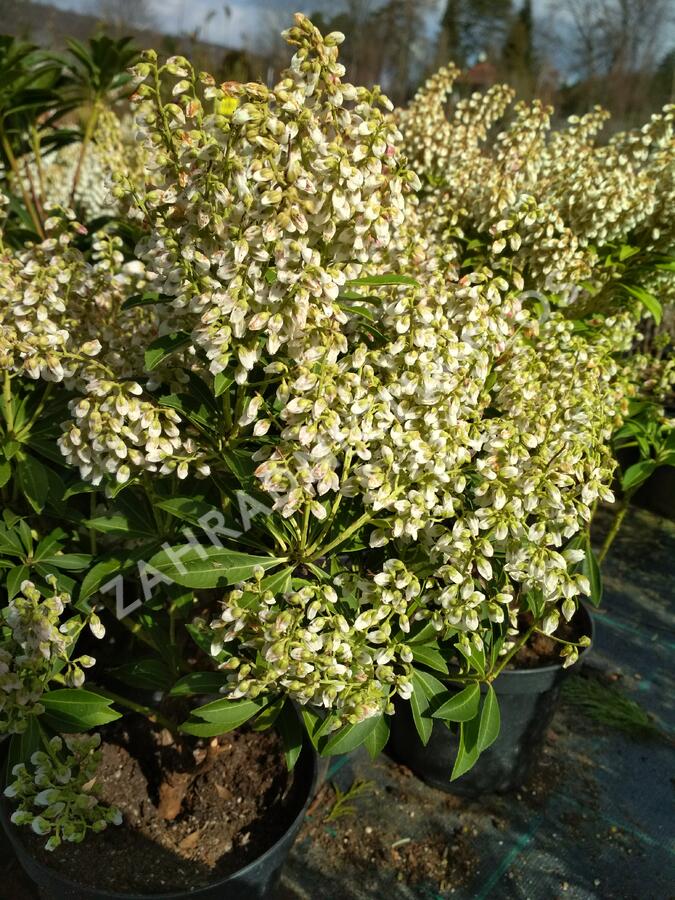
x: 541, y: 650
x: 367, y: 842
x: 190, y: 816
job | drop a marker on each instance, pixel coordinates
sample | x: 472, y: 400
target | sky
x: 233, y: 30
x: 241, y: 23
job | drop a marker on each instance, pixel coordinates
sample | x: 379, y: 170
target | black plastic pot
x: 255, y: 881
x: 527, y: 702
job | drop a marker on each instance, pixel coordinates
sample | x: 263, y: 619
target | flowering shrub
x: 307, y: 405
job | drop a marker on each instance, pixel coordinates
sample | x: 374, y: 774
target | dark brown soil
x: 367, y: 842
x: 541, y: 650
x: 190, y: 817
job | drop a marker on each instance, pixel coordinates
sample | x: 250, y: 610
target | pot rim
x: 20, y: 848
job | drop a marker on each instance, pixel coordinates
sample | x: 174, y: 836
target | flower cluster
x: 83, y: 175
x: 544, y: 201
x: 56, y: 796
x: 38, y: 645
x: 258, y: 218
x: 59, y: 310
x: 420, y: 375
x: 308, y: 643
x: 116, y: 431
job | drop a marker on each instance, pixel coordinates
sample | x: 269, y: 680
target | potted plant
x: 308, y: 466
x: 289, y: 193
x: 511, y: 204
x: 582, y: 218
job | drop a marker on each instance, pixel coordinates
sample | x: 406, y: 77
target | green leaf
x: 488, y: 729
x: 313, y: 723
x: 106, y: 569
x: 649, y: 301
x: 33, y: 482
x: 5, y: 472
x: 381, y: 280
x: 147, y: 298
x: 430, y: 656
x: 378, y: 737
x: 591, y: 570
x: 191, y: 408
x: 15, y: 579
x: 468, y: 751
x: 425, y: 688
x: 627, y: 251
x: 460, y: 707
x: 146, y: 674
x: 199, y: 683
x: 269, y: 715
x: 163, y: 347
x: 357, y: 310
x: 289, y: 727
x: 221, y: 716
x: 349, y: 737
x: 189, y: 509
x: 221, y: 383
x: 71, y: 562
x: 22, y: 746
x: 240, y: 464
x: 279, y: 583
x: 637, y: 474
x: 198, y: 566
x: 76, y: 709
x: 80, y: 487
x: 116, y: 523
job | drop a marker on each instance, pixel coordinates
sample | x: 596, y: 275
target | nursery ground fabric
x: 594, y: 823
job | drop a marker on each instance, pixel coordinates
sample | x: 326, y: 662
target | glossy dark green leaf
x: 313, y: 723
x: 221, y: 716
x: 490, y: 721
x: 33, y: 482
x: 116, y: 523
x: 161, y: 348
x: 591, y: 570
x: 349, y: 737
x: 429, y: 656
x: 289, y: 727
x: 649, y: 301
x: 378, y: 737
x: 71, y: 562
x: 637, y: 474
x: 461, y: 707
x: 370, y: 280
x: 15, y: 578
x: 199, y: 683
x: 425, y: 688
x: 198, y: 566
x: 144, y: 674
x: 468, y: 751
x: 5, y: 472
x: 221, y: 383
x: 22, y: 746
x: 70, y: 710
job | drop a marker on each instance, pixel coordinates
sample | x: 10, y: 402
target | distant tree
x: 473, y: 29
x: 615, y: 47
x: 121, y: 15
x: 518, y: 62
x: 398, y: 28
x: 663, y: 82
